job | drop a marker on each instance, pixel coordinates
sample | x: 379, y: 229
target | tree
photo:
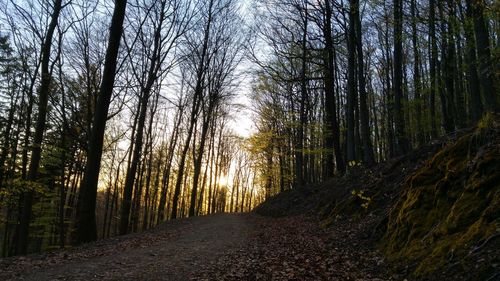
x: 46, y: 77
x: 169, y: 22
x: 486, y: 71
x: 332, y: 135
x: 476, y: 105
x: 368, y: 157
x: 417, y: 83
x: 223, y: 57
x: 8, y: 71
x: 196, y: 102
x: 352, y: 96
x: 85, y: 224
x: 402, y: 144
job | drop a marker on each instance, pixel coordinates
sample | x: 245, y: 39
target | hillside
x: 433, y: 213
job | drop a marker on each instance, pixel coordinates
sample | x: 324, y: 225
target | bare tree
x: 169, y: 19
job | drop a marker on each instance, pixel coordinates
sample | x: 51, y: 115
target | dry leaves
x: 295, y: 248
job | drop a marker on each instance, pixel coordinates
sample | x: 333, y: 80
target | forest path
x: 216, y: 247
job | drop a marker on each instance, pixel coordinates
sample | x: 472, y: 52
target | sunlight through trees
x: 116, y: 116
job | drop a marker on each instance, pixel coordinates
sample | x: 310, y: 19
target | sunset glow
x: 223, y: 180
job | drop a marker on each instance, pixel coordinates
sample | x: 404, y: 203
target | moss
x: 352, y: 207
x: 449, y: 205
x: 487, y: 121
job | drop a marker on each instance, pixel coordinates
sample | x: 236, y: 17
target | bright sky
x: 241, y: 121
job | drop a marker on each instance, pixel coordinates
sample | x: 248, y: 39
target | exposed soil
x: 217, y: 247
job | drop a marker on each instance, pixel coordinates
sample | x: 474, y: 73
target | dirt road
x: 217, y: 247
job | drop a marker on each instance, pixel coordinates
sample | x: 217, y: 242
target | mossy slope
x: 449, y: 209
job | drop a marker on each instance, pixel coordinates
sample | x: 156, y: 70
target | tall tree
x: 417, y: 83
x: 85, y: 223
x: 332, y: 136
x: 168, y: 22
x: 402, y: 144
x: 300, y: 171
x: 432, y: 66
x: 475, y: 104
x: 368, y: 157
x: 447, y: 89
x: 486, y: 70
x: 196, y: 102
x: 36, y: 151
x: 352, y: 96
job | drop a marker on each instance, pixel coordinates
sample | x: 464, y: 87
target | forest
x: 118, y: 116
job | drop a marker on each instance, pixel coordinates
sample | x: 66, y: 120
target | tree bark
x: 200, y: 151
x: 300, y: 176
x: 165, y: 181
x: 145, y: 93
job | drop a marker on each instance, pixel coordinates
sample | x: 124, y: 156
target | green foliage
x: 354, y: 163
x: 360, y: 194
x: 486, y: 122
x: 18, y: 185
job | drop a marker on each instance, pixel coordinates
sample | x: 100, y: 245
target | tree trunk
x: 36, y: 153
x: 198, y: 91
x: 199, y: 153
x: 299, y: 150
x: 475, y: 104
x: 332, y: 138
x: 486, y: 70
x: 368, y: 157
x: 165, y: 181
x: 85, y: 224
x: 448, y: 63
x: 402, y: 144
x: 417, y: 84
x: 432, y: 66
x: 351, y: 87
x: 132, y: 172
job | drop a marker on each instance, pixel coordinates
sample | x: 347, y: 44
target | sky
x: 241, y: 122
